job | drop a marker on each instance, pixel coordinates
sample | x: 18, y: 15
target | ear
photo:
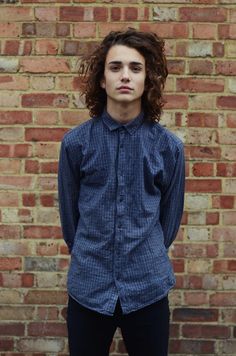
x: 102, y: 83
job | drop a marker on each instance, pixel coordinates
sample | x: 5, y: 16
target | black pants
x: 145, y: 332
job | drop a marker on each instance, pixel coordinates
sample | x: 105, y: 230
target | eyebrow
x: 120, y: 62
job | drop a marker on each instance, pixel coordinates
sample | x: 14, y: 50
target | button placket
x: 120, y: 181
x: 120, y: 203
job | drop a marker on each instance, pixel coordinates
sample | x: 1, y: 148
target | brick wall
x: 40, y: 44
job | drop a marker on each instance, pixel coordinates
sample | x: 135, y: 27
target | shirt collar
x: 131, y: 126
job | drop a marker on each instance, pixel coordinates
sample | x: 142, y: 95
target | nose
x: 125, y: 75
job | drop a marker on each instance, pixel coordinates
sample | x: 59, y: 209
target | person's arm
x: 68, y: 192
x: 172, y: 200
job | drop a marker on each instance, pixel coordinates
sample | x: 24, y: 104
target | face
x: 124, y: 75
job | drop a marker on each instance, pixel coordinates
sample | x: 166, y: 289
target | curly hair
x: 151, y: 47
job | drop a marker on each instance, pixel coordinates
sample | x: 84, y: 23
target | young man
x: 121, y: 188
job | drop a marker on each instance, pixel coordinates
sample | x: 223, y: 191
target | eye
x: 136, y: 69
x: 114, y: 68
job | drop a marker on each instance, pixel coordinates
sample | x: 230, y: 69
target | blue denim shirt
x: 121, y: 192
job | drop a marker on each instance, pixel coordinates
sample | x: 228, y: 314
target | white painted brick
x: 164, y: 14
x: 196, y: 202
x: 198, y: 234
x: 200, y: 49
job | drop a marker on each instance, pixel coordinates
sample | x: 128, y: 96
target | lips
x: 123, y: 87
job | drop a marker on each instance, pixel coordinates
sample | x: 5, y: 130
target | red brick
x: 10, y: 182
x: 231, y: 120
x: 10, y: 263
x: 206, y: 331
x: 47, y: 249
x: 212, y: 218
x: 16, y: 14
x: 6, y: 345
x: 203, y: 169
x: 64, y: 250
x: 44, y: 65
x: 63, y: 29
x: 131, y: 13
x: 10, y: 30
x: 227, y: 31
x: 77, y: 13
x: 224, y: 266
x: 203, y: 185
x: 45, y: 100
x: 44, y: 134
x: 223, y: 201
x: 100, y: 14
x: 192, y: 282
x: 71, y: 13
x: 42, y: 232
x: 226, y: 67
x: 46, y: 47
x: 116, y: 13
x: 204, y: 152
x: 72, y: 48
x: 84, y: 30
x: 200, y: 67
x: 28, y: 29
x: 176, y: 66
x: 178, y: 265
x: 4, y: 150
x: 195, y: 298
x: 226, y: 169
x: 13, y: 329
x: 31, y: 166
x: 49, y: 167
x: 10, y: 232
x: 72, y: 118
x: 104, y: 28
x: 195, y: 250
x: 204, y: 31
x: 45, y: 297
x: 27, y: 280
x: 229, y: 218
x: 21, y: 150
x: 47, y: 200
x: 49, y: 313
x: 47, y: 329
x: 167, y: 30
x: 199, y: 314
x: 200, y: 119
x: 218, y: 49
x: 205, y: 14
x: 46, y: 13
x: 46, y: 118
x: 226, y: 234
x: 15, y: 117
x: 176, y: 101
x: 230, y: 251
x: 223, y: 299
x: 199, y: 85
x: 17, y: 48
x: 9, y: 199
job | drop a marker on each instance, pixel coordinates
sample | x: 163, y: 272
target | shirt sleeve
x: 172, y: 200
x: 68, y: 192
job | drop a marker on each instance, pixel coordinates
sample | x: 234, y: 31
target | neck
x: 123, y: 112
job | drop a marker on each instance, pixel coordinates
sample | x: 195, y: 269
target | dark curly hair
x: 151, y: 47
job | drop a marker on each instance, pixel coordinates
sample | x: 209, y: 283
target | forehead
x: 124, y: 54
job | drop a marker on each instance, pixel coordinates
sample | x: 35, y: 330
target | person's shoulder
x: 167, y: 137
x: 77, y: 134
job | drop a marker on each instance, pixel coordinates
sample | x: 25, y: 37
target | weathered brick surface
x: 40, y: 42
